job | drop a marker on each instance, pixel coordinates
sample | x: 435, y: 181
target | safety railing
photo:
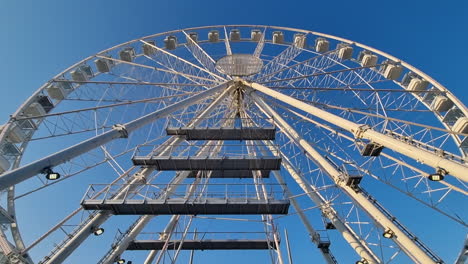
x: 212, y: 150
x: 190, y: 192
x: 201, y: 235
x: 214, y: 122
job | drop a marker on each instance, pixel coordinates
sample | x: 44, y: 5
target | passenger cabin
x: 234, y: 35
x: 59, y: 90
x: 40, y: 107
x: 413, y: 82
x: 16, y: 134
x: 367, y: 58
x: 170, y: 42
x: 192, y: 37
x: 429, y: 97
x: 10, y: 149
x: 149, y: 47
x: 461, y: 126
x: 300, y: 40
x: 127, y: 54
x: 322, y: 45
x: 213, y: 36
x: 452, y: 116
x: 256, y: 35
x: 82, y: 73
x: 441, y: 103
x: 104, y: 65
x: 45, y: 102
x: 34, y: 109
x: 390, y: 70
x: 345, y: 51
x: 278, y: 37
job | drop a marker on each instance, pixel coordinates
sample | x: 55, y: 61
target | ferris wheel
x: 248, y: 139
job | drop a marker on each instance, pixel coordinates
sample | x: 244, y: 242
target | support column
x: 130, y: 236
x: 295, y: 204
x: 363, y: 131
x: 346, y: 231
x: 401, y: 239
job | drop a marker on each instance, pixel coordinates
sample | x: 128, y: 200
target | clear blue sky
x: 42, y: 38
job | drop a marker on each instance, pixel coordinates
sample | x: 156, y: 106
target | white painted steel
x: 359, y: 245
x: 30, y: 101
x: 406, y: 244
x: 361, y: 131
x: 138, y: 178
x: 25, y: 172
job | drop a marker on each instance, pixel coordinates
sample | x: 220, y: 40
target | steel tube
x: 453, y: 168
x: 298, y: 209
x: 408, y: 246
x: 74, y: 242
x: 23, y: 173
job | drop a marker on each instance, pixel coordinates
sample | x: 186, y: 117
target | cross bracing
x: 382, y: 102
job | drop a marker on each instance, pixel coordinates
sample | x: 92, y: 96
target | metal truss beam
x: 328, y: 211
x: 312, y: 233
x: 401, y: 238
x: 138, y: 178
x: 83, y: 232
x: 119, y: 131
x: 364, y: 131
x: 136, y: 228
x: 314, y: 236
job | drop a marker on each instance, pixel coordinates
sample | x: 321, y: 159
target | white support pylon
x: 346, y: 231
x: 295, y: 204
x: 130, y: 236
x: 407, y: 245
x: 453, y: 168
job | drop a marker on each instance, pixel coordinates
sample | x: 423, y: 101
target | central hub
x: 239, y: 65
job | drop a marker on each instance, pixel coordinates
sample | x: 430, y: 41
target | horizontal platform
x: 189, y: 206
x: 206, y: 244
x: 219, y: 133
x: 243, y: 162
x: 236, y: 174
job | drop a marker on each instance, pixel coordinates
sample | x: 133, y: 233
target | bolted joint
x: 122, y: 130
x: 327, y: 211
x: 360, y: 131
x: 315, y: 238
x: 140, y: 177
x: 341, y: 179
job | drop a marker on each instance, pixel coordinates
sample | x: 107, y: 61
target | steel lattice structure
x: 348, y: 124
